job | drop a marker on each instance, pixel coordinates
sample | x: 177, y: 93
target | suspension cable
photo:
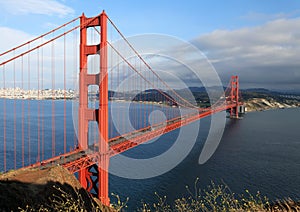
x: 148, y: 66
x: 49, y: 41
x: 133, y: 68
x: 43, y: 35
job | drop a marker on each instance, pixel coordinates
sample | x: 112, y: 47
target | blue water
x: 29, y: 121
x: 33, y: 121
x: 258, y: 153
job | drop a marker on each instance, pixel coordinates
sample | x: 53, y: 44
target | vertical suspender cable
x: 123, y: 92
x: 28, y: 109
x: 4, y: 121
x: 65, y: 103
x: 75, y: 75
x: 117, y: 89
x: 158, y: 97
x: 15, y: 117
x: 53, y: 97
x: 153, y: 97
x: 147, y: 106
x: 38, y: 97
x: 43, y: 115
x: 128, y: 98
x: 142, y: 93
x: 23, y: 133
x: 142, y: 109
x: 135, y: 89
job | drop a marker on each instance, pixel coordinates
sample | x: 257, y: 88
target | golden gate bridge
x: 50, y: 60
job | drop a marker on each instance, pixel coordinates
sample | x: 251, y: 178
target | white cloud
x: 42, y: 7
x: 267, y: 54
x: 49, y: 56
x: 10, y: 38
x: 263, y: 56
x: 256, y: 16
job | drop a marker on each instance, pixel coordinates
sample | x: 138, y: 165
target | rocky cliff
x: 51, y: 189
x: 260, y: 104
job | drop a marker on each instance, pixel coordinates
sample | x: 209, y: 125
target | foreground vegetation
x: 55, y: 189
x: 213, y: 198
x: 220, y: 198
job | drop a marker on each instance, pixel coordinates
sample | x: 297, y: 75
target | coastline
x: 254, y: 103
x: 262, y: 104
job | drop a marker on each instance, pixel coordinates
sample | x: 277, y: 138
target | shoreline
x: 273, y: 108
x: 252, y: 104
x: 263, y: 104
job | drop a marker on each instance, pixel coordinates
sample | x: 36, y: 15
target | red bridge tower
x: 94, y: 178
x: 235, y: 98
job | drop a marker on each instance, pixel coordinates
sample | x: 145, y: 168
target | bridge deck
x: 78, y: 159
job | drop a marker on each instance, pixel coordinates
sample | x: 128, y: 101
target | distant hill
x: 153, y: 95
x: 201, y: 89
x: 197, y: 89
x: 199, y: 96
x: 261, y: 90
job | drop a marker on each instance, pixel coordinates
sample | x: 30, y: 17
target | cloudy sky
x: 257, y: 40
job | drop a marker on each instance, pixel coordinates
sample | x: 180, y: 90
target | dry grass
x: 220, y: 198
x: 213, y: 198
x: 66, y: 202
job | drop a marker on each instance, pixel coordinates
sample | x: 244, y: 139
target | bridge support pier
x: 95, y: 177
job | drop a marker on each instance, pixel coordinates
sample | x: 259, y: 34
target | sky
x: 257, y: 40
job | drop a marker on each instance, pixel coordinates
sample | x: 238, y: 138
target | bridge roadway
x: 79, y: 159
